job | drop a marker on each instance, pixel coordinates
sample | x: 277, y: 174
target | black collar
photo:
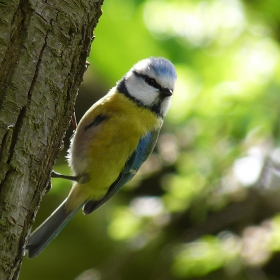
x: 155, y: 108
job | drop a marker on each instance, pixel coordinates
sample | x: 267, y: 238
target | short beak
x: 166, y: 92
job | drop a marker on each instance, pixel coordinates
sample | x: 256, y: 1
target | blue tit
x: 112, y: 140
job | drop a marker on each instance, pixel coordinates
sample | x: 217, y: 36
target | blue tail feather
x: 49, y: 229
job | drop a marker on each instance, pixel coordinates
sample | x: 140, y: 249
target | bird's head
x: 150, y: 83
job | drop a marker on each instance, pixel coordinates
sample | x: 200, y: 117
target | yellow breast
x: 102, y: 151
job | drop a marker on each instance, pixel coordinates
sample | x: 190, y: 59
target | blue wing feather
x: 142, y: 152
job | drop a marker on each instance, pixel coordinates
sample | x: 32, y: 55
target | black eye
x: 152, y: 82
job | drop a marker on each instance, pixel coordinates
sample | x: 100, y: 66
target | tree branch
x: 43, y: 50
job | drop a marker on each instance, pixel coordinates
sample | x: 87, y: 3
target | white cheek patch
x: 165, y: 104
x: 138, y: 89
x: 146, y: 94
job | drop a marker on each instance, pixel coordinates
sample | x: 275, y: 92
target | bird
x: 111, y: 142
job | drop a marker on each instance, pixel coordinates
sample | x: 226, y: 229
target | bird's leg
x: 67, y: 177
x: 74, y: 120
x: 81, y: 179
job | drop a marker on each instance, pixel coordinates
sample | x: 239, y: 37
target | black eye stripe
x: 150, y: 81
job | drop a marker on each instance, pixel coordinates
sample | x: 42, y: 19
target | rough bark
x: 43, y: 50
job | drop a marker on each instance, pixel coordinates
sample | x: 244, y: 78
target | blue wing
x: 142, y: 152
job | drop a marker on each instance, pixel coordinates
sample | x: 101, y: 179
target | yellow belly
x: 102, y: 151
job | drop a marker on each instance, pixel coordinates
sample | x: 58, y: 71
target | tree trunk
x: 43, y: 50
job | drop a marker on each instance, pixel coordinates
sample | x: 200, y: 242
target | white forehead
x: 158, y: 68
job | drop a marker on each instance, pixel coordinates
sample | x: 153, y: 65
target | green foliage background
x: 206, y: 204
